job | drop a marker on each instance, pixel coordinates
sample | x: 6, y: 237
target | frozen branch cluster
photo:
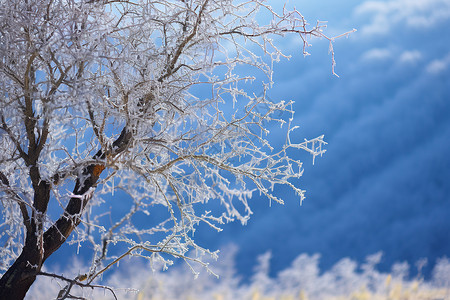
x: 144, y: 98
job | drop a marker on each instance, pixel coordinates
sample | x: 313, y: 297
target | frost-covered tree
x: 137, y: 104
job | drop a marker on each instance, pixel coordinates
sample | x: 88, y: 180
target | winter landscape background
x: 383, y: 184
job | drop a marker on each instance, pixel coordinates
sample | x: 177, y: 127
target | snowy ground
x: 302, y: 280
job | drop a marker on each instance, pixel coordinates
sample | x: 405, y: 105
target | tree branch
x: 57, y: 234
x: 6, y: 128
x: 30, y: 121
x: 64, y: 293
x: 22, y: 204
x: 171, y: 64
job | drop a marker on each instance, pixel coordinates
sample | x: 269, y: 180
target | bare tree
x: 143, y: 98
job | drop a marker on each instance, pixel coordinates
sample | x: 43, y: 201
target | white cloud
x: 410, y: 56
x: 381, y: 54
x: 438, y: 65
x: 376, y: 54
x: 413, y: 13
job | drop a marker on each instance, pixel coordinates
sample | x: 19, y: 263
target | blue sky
x: 384, y: 183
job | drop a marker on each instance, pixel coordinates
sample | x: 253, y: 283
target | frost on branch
x: 148, y: 106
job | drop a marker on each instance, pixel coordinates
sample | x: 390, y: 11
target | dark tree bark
x: 15, y: 283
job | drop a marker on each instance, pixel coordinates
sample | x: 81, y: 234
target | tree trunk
x: 16, y: 282
x: 39, y: 246
x: 20, y: 276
